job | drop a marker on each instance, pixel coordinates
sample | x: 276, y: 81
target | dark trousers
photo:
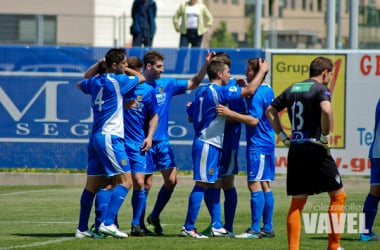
x: 140, y: 39
x: 191, y: 37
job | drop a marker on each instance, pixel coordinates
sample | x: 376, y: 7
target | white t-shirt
x: 192, y: 14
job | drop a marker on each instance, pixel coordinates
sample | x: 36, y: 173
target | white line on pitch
x: 37, y: 244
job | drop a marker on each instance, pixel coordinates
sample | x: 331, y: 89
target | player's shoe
x: 137, y: 231
x: 339, y: 248
x: 97, y: 232
x: 249, y: 234
x: 86, y: 234
x: 369, y: 237
x: 147, y: 231
x: 219, y: 232
x: 267, y: 234
x: 155, y: 222
x: 112, y: 230
x: 192, y: 233
x: 207, y: 231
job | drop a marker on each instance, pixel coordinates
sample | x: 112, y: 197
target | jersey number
x: 99, y: 100
x: 200, y: 109
x: 297, y: 117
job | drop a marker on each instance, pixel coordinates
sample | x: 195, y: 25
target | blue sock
x: 208, y: 201
x: 102, y: 199
x: 216, y: 209
x: 370, y: 211
x: 257, y: 206
x: 138, y: 199
x: 230, y: 204
x: 195, y: 201
x: 163, y: 198
x: 86, y: 200
x: 268, y: 211
x: 142, y: 216
x: 118, y: 196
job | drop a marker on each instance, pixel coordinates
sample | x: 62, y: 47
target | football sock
x: 294, y: 222
x: 138, y: 199
x: 142, y: 216
x: 163, y: 198
x: 230, y: 203
x: 268, y: 211
x: 257, y: 206
x: 216, y: 210
x: 370, y: 211
x: 208, y: 201
x: 337, y: 208
x: 102, y: 199
x: 86, y: 201
x: 195, y: 201
x: 118, y: 196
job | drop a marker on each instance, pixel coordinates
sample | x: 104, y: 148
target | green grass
x: 45, y: 217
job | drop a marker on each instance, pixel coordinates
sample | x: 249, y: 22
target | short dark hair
x: 222, y: 56
x: 319, y: 64
x: 214, y: 67
x: 254, y: 64
x: 134, y: 62
x: 115, y: 55
x: 152, y: 57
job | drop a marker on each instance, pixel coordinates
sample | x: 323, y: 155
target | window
x: 24, y: 29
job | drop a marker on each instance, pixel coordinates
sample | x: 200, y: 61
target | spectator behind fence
x: 143, y: 25
x: 195, y: 20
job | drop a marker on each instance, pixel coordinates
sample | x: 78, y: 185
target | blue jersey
x: 106, y: 92
x: 208, y: 126
x: 232, y: 129
x: 374, y: 150
x: 136, y: 119
x: 260, y: 137
x: 165, y: 89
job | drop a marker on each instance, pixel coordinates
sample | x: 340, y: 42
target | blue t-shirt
x: 136, y: 120
x: 232, y: 129
x: 208, y: 126
x: 107, y: 92
x: 165, y: 89
x: 260, y: 137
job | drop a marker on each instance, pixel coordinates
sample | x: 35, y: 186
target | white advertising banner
x: 355, y: 88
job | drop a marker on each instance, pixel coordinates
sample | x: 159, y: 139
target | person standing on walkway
x: 143, y: 25
x: 192, y: 19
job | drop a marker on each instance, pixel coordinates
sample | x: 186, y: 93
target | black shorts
x: 311, y: 170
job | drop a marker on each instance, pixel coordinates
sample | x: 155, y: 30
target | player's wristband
x: 283, y: 136
x: 324, y: 138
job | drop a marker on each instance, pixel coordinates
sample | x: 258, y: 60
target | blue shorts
x: 206, y: 158
x: 136, y: 157
x: 107, y: 156
x: 375, y: 171
x: 159, y: 157
x: 229, y: 162
x: 260, y: 167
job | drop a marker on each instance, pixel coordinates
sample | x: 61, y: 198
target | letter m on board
x: 50, y: 88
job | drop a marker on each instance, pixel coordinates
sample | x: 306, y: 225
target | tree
x: 222, y: 39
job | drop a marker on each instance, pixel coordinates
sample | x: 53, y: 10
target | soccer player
x: 107, y: 157
x: 140, y: 123
x: 228, y: 165
x: 372, y: 201
x: 160, y: 157
x: 259, y: 152
x: 208, y: 139
x: 311, y: 168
